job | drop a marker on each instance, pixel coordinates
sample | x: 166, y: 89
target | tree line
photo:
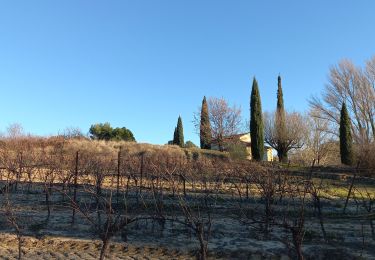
x: 282, y: 130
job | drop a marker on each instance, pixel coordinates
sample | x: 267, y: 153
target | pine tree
x: 180, y: 133
x: 205, y: 127
x: 256, y: 123
x: 282, y: 152
x: 346, y: 142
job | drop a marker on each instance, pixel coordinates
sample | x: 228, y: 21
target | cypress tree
x: 205, y: 127
x: 175, y: 136
x: 282, y: 152
x: 346, y: 142
x: 180, y: 133
x: 256, y: 123
x: 280, y: 98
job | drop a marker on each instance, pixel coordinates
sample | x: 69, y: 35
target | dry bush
x: 305, y: 156
x: 366, y: 156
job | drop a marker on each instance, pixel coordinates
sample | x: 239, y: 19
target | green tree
x: 282, y: 142
x: 123, y: 133
x: 346, y: 142
x: 175, y: 137
x: 256, y: 123
x: 101, y: 131
x: 106, y: 132
x: 180, y: 133
x: 205, y: 127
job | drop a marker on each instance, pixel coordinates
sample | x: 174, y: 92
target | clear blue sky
x: 140, y: 64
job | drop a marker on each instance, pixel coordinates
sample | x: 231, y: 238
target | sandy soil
x: 62, y: 248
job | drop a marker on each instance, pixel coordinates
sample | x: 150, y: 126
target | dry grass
x: 131, y: 148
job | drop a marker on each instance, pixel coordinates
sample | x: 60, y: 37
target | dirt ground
x: 70, y: 248
x: 349, y: 238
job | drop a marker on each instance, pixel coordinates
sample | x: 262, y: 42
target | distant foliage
x: 346, y: 141
x: 107, y: 133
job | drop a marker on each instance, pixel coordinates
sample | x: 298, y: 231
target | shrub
x: 237, y: 151
x: 190, y: 144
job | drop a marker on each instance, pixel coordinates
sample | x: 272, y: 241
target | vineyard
x: 72, y: 199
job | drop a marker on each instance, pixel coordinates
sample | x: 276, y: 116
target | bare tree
x: 225, y: 120
x: 356, y: 87
x: 292, y: 137
x: 198, y: 206
x: 267, y: 186
x: 316, y: 191
x: 294, y: 215
x: 15, y: 131
x: 72, y: 133
x: 15, y: 222
x: 318, y: 141
x: 13, y: 216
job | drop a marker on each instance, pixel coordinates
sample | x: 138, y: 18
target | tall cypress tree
x: 180, y: 133
x: 256, y: 123
x: 205, y: 127
x: 280, y: 98
x: 346, y: 141
x: 282, y: 152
